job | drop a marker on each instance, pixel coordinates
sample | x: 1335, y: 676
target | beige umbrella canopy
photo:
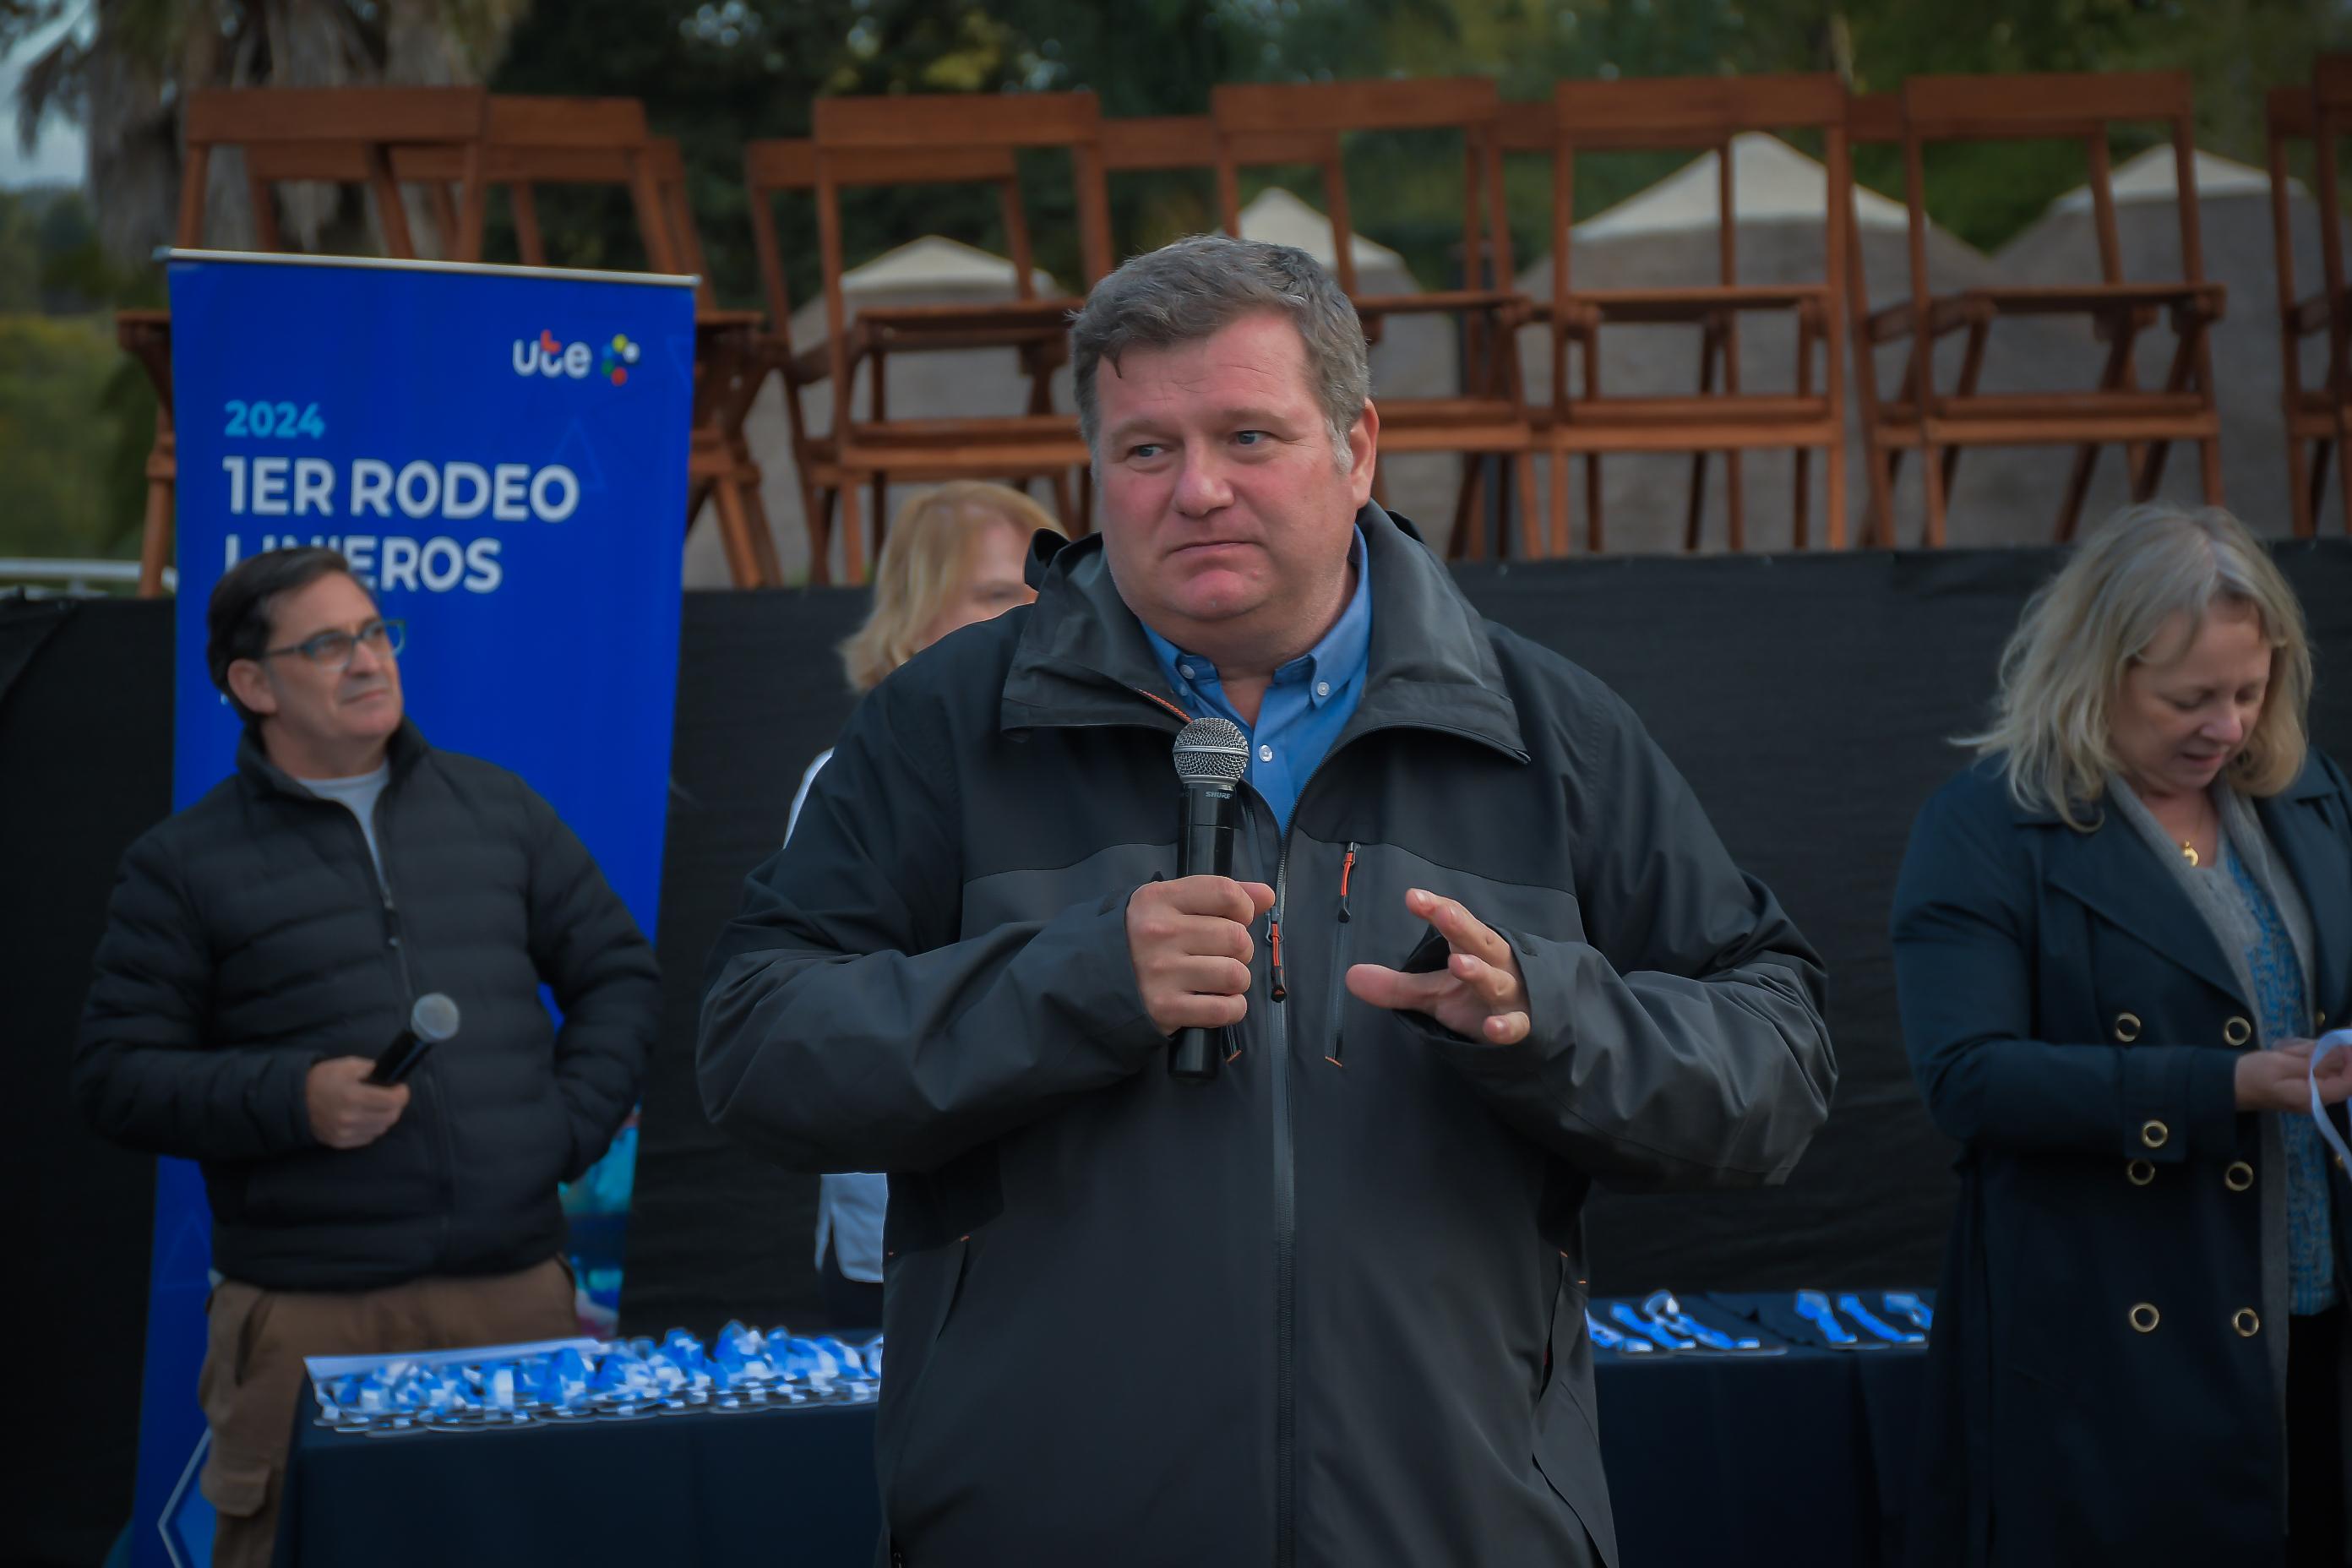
x: 2235, y: 234
x: 1666, y: 236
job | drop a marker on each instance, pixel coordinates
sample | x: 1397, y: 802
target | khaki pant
x: 255, y: 1343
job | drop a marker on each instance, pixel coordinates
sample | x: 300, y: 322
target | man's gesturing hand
x: 346, y: 1110
x: 1191, y: 944
x: 1479, y: 993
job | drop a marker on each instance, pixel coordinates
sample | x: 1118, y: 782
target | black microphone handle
x: 1204, y: 847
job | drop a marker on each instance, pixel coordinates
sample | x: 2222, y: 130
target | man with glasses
x: 264, y: 945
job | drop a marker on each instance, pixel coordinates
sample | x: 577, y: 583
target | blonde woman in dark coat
x: 2116, y: 936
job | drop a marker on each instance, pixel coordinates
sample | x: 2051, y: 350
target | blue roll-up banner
x: 501, y: 454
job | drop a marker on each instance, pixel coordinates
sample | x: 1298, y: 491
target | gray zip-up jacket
x: 1329, y: 1309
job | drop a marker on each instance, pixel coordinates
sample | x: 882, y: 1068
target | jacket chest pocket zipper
x: 1345, y: 922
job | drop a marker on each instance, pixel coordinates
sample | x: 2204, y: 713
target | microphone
x: 1211, y: 756
x: 431, y: 1021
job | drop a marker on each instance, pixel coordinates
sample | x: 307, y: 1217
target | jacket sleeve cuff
x: 1108, y: 990
x: 1547, y: 972
x: 2179, y: 1102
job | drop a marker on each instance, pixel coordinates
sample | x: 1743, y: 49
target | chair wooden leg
x: 1591, y: 459
x: 2299, y: 498
x: 1086, y: 502
x: 155, y: 537
x: 763, y: 538
x: 1531, y: 537
x: 1560, y: 463
x: 1833, y: 500
x: 1592, y: 530
x: 1469, y: 542
x: 1735, y: 514
x: 853, y: 533
x: 1972, y: 372
x: 1695, y: 502
x: 2321, y: 451
x: 819, y: 519
x: 735, y: 535
x: 1800, y: 518
x: 1801, y: 521
x: 2208, y: 469
x: 2078, y: 487
x: 1932, y: 470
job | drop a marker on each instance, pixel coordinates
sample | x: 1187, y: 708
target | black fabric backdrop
x: 85, y: 766
x: 1806, y: 698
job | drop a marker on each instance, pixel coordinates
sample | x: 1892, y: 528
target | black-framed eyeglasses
x: 336, y: 648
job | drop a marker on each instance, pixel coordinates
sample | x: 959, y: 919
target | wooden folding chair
x: 2322, y: 414
x: 774, y: 168
x: 345, y: 135
x: 534, y: 142
x: 948, y: 140
x: 1490, y: 417
x: 1699, y: 112
x: 2116, y: 410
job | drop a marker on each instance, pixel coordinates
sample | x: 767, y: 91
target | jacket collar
x: 1083, y: 660
x: 2109, y: 869
x: 253, y: 764
x: 2319, y: 855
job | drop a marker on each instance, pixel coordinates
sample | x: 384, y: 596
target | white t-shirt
x: 360, y: 795
x: 849, y: 1207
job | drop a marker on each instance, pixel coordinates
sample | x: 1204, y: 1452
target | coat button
x: 2246, y: 1322
x: 2139, y: 1172
x: 2237, y: 1032
x: 2238, y: 1176
x: 2155, y: 1134
x: 2145, y: 1318
x: 2126, y: 1027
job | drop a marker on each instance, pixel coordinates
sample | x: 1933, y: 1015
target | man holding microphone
x: 267, y: 945
x: 1482, y: 949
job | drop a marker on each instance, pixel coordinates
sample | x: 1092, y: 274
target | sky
x: 57, y: 157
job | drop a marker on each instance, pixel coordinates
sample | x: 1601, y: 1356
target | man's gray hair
x: 1199, y: 285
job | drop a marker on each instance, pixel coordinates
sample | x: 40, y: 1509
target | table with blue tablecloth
x: 1800, y: 1459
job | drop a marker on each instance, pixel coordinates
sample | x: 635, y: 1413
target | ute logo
x: 545, y: 355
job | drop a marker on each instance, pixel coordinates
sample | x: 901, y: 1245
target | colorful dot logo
x: 619, y: 356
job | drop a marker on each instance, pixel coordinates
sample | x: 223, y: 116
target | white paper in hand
x: 2341, y: 1041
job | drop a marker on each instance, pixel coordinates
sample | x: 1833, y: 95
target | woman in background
x: 2116, y: 936
x: 954, y: 558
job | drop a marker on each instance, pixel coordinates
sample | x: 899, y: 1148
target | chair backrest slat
x: 415, y: 116
x: 2056, y: 104
x: 346, y: 135
x: 1698, y: 110
x: 1427, y: 103
x: 959, y: 120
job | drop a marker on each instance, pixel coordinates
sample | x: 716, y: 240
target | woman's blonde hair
x: 2086, y: 627
x: 922, y: 563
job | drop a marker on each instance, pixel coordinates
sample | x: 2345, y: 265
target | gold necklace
x: 2188, y: 849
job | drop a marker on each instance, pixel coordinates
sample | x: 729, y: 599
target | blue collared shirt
x: 1308, y: 702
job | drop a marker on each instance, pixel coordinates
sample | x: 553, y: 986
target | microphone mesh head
x: 1212, y: 751
x: 435, y: 1018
